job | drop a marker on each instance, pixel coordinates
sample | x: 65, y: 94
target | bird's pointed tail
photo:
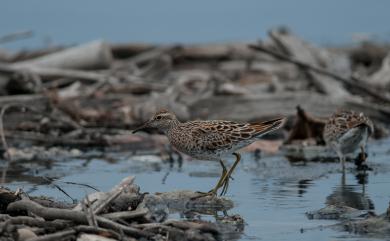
x: 268, y: 126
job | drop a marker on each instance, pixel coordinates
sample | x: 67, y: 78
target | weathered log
x: 381, y: 78
x: 214, y: 52
x: 46, y: 72
x: 250, y: 108
x: 127, y: 214
x: 304, y: 52
x: 24, y: 55
x: 93, y: 55
x: 353, y: 83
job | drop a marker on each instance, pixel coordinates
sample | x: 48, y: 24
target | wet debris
x: 335, y: 212
x: 376, y: 226
x: 122, y: 213
x: 363, y: 222
x: 188, y: 200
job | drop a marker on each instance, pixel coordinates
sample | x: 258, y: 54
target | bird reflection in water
x: 353, y: 196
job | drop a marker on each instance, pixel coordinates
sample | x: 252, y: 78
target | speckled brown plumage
x: 346, y: 131
x: 210, y: 140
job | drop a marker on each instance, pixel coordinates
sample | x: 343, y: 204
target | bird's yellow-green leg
x: 219, y: 183
x: 226, y: 178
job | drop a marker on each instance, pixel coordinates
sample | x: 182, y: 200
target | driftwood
x: 96, y: 216
x: 381, y: 78
x: 94, y: 55
x: 100, y: 202
x: 45, y: 72
x: 353, y: 83
x: 304, y: 52
x: 75, y: 216
x: 24, y: 55
x: 243, y: 108
x: 96, y: 108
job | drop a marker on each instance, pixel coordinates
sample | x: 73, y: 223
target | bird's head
x: 162, y: 120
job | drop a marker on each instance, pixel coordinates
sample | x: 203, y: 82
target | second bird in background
x: 347, y: 131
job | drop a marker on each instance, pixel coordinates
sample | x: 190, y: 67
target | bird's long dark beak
x: 143, y: 126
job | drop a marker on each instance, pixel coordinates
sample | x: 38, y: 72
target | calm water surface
x: 271, y: 194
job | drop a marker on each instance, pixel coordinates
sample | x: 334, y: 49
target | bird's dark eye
x: 158, y: 118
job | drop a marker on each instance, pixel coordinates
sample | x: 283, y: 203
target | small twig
x: 91, y: 214
x: 86, y: 205
x: 164, y: 179
x: 82, y: 184
x: 72, y: 183
x: 5, y: 145
x: 351, y: 82
x: 59, y: 188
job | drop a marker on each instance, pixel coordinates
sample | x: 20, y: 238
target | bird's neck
x: 172, y: 125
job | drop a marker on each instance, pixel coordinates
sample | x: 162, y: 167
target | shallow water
x: 271, y: 194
